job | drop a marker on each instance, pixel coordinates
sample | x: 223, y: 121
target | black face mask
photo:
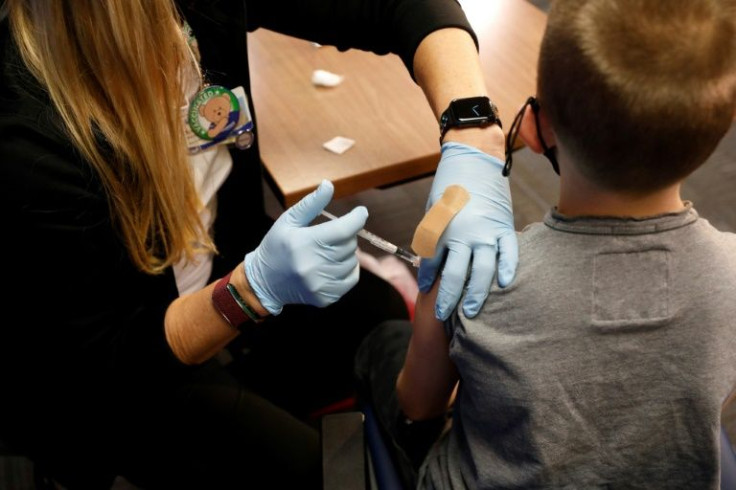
x: 550, y: 153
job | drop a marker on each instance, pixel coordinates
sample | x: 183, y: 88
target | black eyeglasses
x: 513, y: 133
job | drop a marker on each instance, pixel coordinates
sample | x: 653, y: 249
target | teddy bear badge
x: 216, y: 115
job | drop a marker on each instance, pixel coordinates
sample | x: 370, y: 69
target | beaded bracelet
x: 231, y: 306
x: 243, y: 305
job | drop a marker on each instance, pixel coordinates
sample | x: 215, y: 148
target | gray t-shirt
x: 604, y: 364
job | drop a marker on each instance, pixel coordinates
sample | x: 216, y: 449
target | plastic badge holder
x: 218, y: 116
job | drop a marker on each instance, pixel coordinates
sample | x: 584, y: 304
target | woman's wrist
x: 488, y: 139
x: 241, y: 283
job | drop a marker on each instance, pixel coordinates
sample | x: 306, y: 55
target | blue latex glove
x: 300, y: 264
x: 483, y: 228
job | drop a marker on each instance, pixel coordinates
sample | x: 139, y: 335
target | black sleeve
x: 82, y: 308
x: 380, y: 26
x: 69, y: 277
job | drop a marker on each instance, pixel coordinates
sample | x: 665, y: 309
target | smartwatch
x: 471, y: 111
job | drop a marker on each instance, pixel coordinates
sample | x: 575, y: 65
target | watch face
x: 472, y: 109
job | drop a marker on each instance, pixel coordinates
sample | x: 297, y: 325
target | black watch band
x: 471, y: 111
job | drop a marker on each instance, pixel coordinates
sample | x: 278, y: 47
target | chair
x: 343, y: 452
x: 728, y: 463
x: 354, y: 454
x: 384, y: 471
x: 23, y: 465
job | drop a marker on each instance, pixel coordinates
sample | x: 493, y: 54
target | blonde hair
x: 115, y: 70
x: 639, y: 91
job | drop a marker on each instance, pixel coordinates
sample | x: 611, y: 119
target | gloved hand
x: 300, y: 264
x: 482, y: 228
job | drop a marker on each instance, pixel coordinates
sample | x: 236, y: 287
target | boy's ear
x: 528, y: 131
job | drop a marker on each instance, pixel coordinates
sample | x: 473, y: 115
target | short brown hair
x: 639, y: 91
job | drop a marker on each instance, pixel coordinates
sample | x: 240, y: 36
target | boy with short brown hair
x: 606, y: 362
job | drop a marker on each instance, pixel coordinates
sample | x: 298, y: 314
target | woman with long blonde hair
x: 130, y: 202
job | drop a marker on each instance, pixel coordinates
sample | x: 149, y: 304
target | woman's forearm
x: 447, y: 67
x: 195, y: 330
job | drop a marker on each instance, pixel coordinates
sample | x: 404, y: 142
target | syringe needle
x: 384, y: 245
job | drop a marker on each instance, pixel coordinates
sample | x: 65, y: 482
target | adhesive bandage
x: 433, y: 224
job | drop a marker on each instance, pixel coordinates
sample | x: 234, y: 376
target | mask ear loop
x: 512, y: 135
x: 546, y: 150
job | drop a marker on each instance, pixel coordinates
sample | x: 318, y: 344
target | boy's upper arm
x: 429, y: 376
x: 424, y: 317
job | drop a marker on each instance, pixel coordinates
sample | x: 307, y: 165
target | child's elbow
x: 414, y: 406
x: 417, y: 412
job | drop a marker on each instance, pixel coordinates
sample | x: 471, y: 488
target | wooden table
x: 378, y: 105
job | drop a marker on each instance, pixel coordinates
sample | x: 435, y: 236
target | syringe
x: 384, y: 245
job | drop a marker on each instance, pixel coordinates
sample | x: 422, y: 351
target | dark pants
x: 244, y: 425
x: 378, y: 362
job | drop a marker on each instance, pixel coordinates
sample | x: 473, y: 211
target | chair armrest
x: 382, y: 466
x: 728, y: 463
